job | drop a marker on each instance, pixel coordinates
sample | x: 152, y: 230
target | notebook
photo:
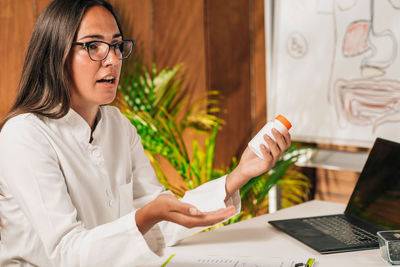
x: 373, y: 206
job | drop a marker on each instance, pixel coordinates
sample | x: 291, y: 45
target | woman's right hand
x: 168, y: 208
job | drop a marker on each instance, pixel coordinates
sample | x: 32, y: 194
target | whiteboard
x: 334, y: 69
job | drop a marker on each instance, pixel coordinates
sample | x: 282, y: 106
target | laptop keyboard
x: 342, y: 230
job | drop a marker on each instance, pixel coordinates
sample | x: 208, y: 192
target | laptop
x: 374, y: 206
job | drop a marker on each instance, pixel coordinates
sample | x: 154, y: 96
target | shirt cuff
x: 155, y: 239
x: 211, y: 195
x: 121, y: 238
x: 207, y: 197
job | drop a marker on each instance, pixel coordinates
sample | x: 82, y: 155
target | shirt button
x: 111, y: 203
x: 96, y: 153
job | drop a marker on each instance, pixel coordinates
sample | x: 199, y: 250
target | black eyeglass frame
x: 114, y: 46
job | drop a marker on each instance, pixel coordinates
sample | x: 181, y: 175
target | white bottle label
x: 257, y: 140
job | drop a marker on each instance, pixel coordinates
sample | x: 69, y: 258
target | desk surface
x: 255, y: 237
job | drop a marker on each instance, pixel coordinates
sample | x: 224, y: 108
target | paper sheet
x: 218, y: 261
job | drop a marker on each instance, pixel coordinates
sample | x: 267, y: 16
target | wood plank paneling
x: 16, y: 20
x: 40, y: 5
x: 136, y: 18
x: 259, y: 98
x: 335, y: 186
x: 179, y: 38
x: 228, y: 71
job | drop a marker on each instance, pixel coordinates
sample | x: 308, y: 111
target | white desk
x: 256, y: 237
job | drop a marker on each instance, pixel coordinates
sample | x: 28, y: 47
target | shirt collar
x: 97, y: 131
x: 79, y: 127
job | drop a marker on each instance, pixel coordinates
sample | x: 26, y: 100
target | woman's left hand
x: 251, y: 165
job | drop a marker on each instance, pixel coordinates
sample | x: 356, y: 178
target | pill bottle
x: 280, y: 123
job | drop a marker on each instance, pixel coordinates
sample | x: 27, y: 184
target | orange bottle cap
x: 284, y: 121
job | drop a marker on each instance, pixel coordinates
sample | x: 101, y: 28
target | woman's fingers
x: 288, y: 139
x: 283, y: 140
x: 188, y: 215
x: 268, y: 158
x: 219, y: 215
x: 203, y: 219
x: 175, y: 205
x: 274, y: 149
x: 213, y: 217
x: 186, y: 208
x: 280, y: 140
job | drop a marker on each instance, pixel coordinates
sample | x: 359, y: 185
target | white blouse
x: 67, y: 202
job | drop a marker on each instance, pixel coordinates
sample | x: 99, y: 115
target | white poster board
x: 334, y: 69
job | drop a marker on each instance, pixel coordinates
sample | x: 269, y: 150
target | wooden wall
x: 335, y: 186
x: 221, y: 43
x: 14, y: 37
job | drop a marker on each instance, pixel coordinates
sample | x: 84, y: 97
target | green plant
x: 156, y: 105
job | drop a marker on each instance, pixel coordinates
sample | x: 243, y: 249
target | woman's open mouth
x: 107, y: 80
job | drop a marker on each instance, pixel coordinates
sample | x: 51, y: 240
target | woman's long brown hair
x: 44, y: 87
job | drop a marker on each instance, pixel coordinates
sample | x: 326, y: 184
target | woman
x: 76, y: 188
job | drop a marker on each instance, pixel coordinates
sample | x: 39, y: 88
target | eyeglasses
x: 98, y: 50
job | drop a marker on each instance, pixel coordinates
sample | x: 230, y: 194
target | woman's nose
x: 111, y: 58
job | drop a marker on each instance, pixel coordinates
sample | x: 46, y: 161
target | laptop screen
x: 376, y: 198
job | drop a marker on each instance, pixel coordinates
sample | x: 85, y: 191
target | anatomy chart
x: 335, y: 69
